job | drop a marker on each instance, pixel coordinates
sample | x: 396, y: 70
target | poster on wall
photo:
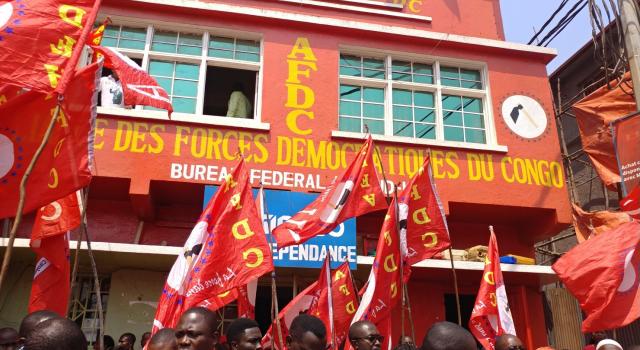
x: 626, y: 140
x: 281, y: 205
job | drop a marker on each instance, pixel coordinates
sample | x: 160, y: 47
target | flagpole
x: 353, y: 283
x: 274, y: 293
x: 23, y: 191
x: 413, y: 330
x: 330, y: 303
x: 83, y: 216
x: 404, y: 300
x: 455, y: 286
x: 96, y: 280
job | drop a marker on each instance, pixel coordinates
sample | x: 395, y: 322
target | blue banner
x: 281, y: 205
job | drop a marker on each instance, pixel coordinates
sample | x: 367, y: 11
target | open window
x: 221, y: 82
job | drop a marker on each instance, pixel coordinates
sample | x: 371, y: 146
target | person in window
x: 239, y: 105
x: 111, y: 89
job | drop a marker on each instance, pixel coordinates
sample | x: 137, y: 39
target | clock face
x: 524, y: 116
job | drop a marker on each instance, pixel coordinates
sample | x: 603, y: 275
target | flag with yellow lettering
x: 226, y: 249
x: 41, y: 41
x: 383, y: 290
x: 422, y: 222
x: 355, y: 193
x: 340, y: 308
x: 64, y: 165
x: 491, y: 315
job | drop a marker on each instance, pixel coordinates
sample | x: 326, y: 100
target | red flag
x: 247, y: 300
x: 300, y: 304
x: 631, y: 203
x: 491, y: 315
x: 41, y: 41
x: 95, y: 39
x: 325, y: 311
x: 383, y: 290
x: 138, y: 87
x: 8, y: 92
x: 603, y: 274
x: 341, y: 307
x: 64, y: 165
x: 423, y: 225
x: 226, y: 249
x: 50, y: 241
x: 357, y: 192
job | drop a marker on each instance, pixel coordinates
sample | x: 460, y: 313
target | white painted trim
x: 184, y: 117
x: 470, y: 265
x: 357, y: 25
x: 376, y: 3
x: 362, y: 9
x: 421, y: 142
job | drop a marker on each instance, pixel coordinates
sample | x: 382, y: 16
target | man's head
x: 144, y: 339
x: 56, y: 334
x: 307, y: 333
x: 127, y: 341
x: 196, y: 329
x: 30, y: 322
x: 364, y: 335
x: 244, y: 334
x: 164, y: 339
x: 406, y: 340
x: 509, y: 342
x: 8, y: 338
x: 448, y: 336
x: 608, y: 344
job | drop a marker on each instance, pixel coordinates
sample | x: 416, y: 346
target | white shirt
x: 111, y: 92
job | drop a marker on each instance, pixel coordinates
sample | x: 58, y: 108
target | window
x: 198, y: 70
x: 416, y: 99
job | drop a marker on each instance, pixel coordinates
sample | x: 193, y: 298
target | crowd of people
x: 198, y: 330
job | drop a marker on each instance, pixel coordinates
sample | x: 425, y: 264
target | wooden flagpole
x: 413, y: 330
x: 330, y: 303
x: 96, y: 279
x: 274, y: 292
x: 23, y: 192
x: 397, y: 222
x: 455, y: 286
x: 76, y: 260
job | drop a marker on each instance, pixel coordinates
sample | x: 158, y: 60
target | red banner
x: 247, y: 300
x: 226, y: 249
x: 138, y: 87
x: 356, y: 193
x: 342, y: 305
x: 631, y: 203
x: 64, y: 165
x: 491, y: 315
x: 49, y: 240
x: 41, y: 41
x: 603, y: 273
x: 422, y: 219
x: 626, y: 140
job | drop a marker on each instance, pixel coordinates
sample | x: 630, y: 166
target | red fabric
x: 603, y: 274
x: 383, y: 290
x: 491, y: 315
x: 299, y: 304
x: 247, y: 300
x: 64, y: 165
x: 631, y: 203
x: 41, y: 38
x: 344, y: 303
x: 49, y: 240
x: 594, y: 114
x: 589, y: 224
x: 8, y: 92
x: 226, y: 249
x: 95, y: 39
x: 138, y: 87
x: 356, y: 193
x: 422, y: 219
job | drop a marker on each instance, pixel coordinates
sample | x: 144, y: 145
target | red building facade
x: 421, y: 76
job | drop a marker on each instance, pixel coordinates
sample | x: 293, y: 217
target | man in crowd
x: 31, y: 321
x: 307, y: 333
x: 109, y: 343
x: 196, y: 329
x: 509, y: 342
x: 8, y: 338
x: 164, y: 339
x: 364, y: 335
x: 448, y: 336
x: 144, y: 339
x: 126, y: 341
x: 244, y: 334
x: 56, y: 334
x: 608, y: 344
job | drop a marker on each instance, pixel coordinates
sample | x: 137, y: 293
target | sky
x: 523, y: 17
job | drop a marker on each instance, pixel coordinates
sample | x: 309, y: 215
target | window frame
x: 484, y: 94
x: 203, y: 60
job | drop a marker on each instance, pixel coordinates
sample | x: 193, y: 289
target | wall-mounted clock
x: 524, y: 116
